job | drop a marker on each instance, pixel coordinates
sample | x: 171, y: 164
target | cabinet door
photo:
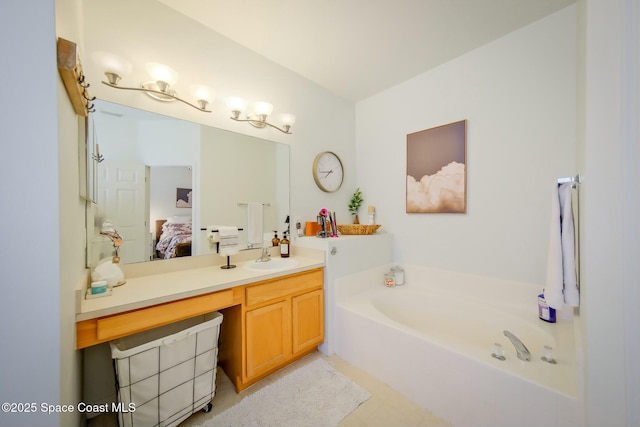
x: 308, y: 320
x: 268, y: 337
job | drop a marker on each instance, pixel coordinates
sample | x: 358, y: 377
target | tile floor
x: 386, y: 407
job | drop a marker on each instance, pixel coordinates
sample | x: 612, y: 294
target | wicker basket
x: 358, y: 228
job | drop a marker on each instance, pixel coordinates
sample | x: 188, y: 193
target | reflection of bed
x: 174, y: 237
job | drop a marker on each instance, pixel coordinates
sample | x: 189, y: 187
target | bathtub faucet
x: 523, y: 351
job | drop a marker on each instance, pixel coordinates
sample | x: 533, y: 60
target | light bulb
x: 236, y: 103
x: 203, y: 93
x: 262, y: 108
x: 114, y: 66
x: 162, y: 73
x: 287, y: 119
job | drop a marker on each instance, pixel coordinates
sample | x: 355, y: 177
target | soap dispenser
x: 284, y: 246
x: 275, y: 241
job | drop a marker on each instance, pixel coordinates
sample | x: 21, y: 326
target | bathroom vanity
x: 279, y: 321
x: 271, y: 317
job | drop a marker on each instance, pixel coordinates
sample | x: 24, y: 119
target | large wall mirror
x: 159, y: 174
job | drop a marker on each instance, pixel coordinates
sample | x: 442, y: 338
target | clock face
x: 327, y: 171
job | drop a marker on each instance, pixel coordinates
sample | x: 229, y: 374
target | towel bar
x: 577, y: 179
x: 215, y: 231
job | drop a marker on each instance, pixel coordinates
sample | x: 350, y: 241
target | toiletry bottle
x: 275, y: 241
x: 546, y: 313
x: 284, y: 246
x: 372, y: 214
x: 398, y: 273
x: 389, y: 279
x: 299, y: 231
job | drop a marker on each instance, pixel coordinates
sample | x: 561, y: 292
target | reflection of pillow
x: 179, y: 219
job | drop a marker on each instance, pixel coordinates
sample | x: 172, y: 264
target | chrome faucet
x: 266, y: 255
x: 523, y: 351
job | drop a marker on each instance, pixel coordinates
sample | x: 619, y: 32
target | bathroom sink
x: 271, y: 265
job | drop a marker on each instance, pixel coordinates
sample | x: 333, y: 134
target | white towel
x: 228, y: 240
x: 212, y: 233
x: 561, y: 287
x: 254, y: 223
x: 571, y: 293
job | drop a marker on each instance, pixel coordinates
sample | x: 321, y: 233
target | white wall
x: 72, y: 219
x: 30, y: 317
x: 518, y: 96
x: 612, y: 206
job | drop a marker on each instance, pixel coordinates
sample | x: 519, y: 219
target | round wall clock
x: 327, y: 171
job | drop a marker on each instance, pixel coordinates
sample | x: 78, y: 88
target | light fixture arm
x: 157, y: 92
x: 262, y: 123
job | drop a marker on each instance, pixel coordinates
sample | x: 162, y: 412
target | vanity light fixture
x: 258, y: 114
x: 159, y: 87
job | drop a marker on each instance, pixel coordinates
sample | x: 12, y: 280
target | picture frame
x: 436, y: 180
x: 183, y: 198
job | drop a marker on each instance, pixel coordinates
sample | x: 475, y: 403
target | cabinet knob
x: 334, y: 250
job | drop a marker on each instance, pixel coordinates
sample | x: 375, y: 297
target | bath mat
x: 312, y: 395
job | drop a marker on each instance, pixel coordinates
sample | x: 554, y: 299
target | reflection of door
x: 122, y: 190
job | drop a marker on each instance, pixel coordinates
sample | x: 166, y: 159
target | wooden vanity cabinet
x: 267, y: 324
x: 307, y: 316
x: 284, y: 320
x: 102, y: 329
x: 268, y: 332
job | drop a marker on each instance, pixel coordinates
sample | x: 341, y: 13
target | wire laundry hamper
x: 166, y: 374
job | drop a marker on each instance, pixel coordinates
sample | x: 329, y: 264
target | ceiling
x: 357, y: 48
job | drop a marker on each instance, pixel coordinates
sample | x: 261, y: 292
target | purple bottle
x: 546, y: 313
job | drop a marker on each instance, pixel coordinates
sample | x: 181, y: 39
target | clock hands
x: 327, y: 172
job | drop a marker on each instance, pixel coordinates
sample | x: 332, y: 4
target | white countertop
x: 153, y: 289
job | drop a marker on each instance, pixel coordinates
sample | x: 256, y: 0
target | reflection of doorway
x: 165, y: 181
x: 123, y: 194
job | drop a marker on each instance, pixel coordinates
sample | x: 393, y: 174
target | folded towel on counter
x: 254, y: 223
x: 228, y: 240
x: 561, y: 286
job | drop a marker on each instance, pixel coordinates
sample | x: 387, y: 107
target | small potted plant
x: 354, y: 205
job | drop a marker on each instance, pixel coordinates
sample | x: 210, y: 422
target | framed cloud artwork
x: 437, y: 169
x: 183, y: 198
